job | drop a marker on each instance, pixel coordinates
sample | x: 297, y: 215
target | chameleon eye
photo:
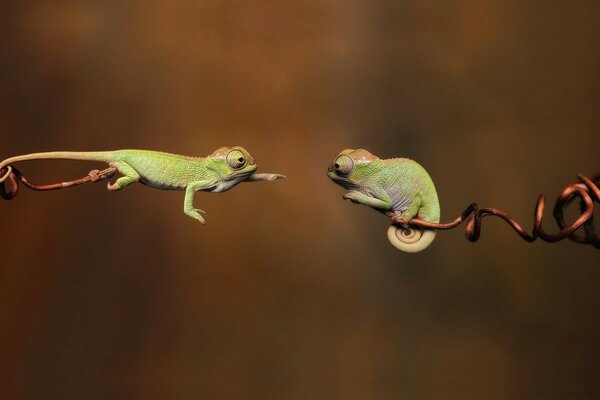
x: 343, y: 165
x: 236, y: 159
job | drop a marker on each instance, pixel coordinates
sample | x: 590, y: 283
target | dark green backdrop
x: 290, y: 292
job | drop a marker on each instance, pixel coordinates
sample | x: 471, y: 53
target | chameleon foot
x: 94, y: 175
x: 397, y: 218
x: 113, y: 187
x: 196, y: 214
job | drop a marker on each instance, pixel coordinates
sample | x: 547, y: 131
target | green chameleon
x: 218, y: 172
x: 398, y: 187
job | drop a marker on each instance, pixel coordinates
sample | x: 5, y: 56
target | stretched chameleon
x: 217, y: 172
x: 398, y: 187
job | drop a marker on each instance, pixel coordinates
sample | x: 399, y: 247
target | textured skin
x: 398, y: 187
x: 218, y: 172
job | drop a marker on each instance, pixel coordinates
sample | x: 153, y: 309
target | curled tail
x: 410, y: 240
x: 106, y: 156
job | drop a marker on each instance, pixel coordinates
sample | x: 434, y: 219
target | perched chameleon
x: 217, y: 172
x: 398, y: 187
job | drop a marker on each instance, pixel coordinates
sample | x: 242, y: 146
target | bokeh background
x: 290, y: 292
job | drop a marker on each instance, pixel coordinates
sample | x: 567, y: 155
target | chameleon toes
x: 113, y: 187
x: 196, y: 215
x: 94, y: 175
x: 399, y: 220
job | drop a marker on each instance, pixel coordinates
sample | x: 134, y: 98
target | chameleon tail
x: 106, y: 156
x: 410, y: 240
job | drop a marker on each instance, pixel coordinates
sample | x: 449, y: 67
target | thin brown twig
x: 586, y: 190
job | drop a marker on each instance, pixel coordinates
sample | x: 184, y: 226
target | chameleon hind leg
x: 412, y: 211
x: 130, y: 175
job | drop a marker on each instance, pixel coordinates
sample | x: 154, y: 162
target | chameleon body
x: 398, y: 187
x: 217, y: 172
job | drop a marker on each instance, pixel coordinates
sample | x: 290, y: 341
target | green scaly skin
x: 217, y: 172
x: 398, y: 187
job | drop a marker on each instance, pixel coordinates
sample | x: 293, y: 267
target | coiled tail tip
x: 410, y: 240
x: 5, y: 173
x: 9, y: 185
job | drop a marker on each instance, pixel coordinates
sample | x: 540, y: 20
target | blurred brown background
x: 290, y: 292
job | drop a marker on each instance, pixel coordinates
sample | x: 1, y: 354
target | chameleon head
x: 233, y: 163
x: 351, y: 167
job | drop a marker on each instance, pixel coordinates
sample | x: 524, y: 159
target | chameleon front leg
x: 265, y: 177
x: 188, y: 202
x: 130, y: 176
x: 383, y: 203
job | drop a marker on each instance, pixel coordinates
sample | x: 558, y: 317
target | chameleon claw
x: 200, y: 219
x: 398, y: 220
x: 113, y: 187
x: 350, y: 196
x: 197, y: 215
x: 94, y: 175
